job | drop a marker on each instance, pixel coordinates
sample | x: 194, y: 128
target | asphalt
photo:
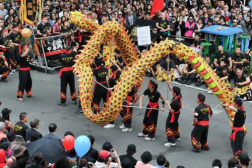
x: 43, y: 105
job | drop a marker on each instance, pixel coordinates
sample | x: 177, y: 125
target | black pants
x: 99, y: 93
x: 172, y: 129
x: 17, y: 54
x: 126, y: 114
x: 189, y: 77
x: 150, y: 122
x: 199, y: 137
x: 67, y: 78
x: 79, y: 99
x: 12, y: 59
x: 237, y: 143
x: 7, y: 56
x: 4, y: 72
x: 25, y: 83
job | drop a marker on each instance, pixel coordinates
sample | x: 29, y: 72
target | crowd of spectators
x: 179, y: 20
x: 15, y: 140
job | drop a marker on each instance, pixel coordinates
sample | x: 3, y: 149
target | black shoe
x: 184, y: 82
x: 198, y: 83
x: 205, y: 148
x: 79, y: 111
x: 180, y: 80
x: 4, y: 80
x: 189, y: 82
x: 74, y: 101
x: 61, y: 104
x: 196, y: 151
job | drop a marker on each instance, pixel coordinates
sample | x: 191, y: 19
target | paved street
x: 46, y: 91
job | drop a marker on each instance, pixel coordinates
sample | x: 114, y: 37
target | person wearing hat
x: 151, y: 113
x: 100, y: 73
x: 237, y: 135
x: 105, y: 160
x: 172, y: 125
x: 21, y: 154
x: 4, y: 68
x: 131, y: 150
x: 6, y: 119
x: 201, y: 124
x: 25, y: 80
x: 66, y: 74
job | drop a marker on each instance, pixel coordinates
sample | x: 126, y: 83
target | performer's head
x: 152, y: 85
x: 201, y: 98
x: 98, y: 62
x: 5, y: 33
x: 113, y: 68
x: 176, y: 91
x: 238, y: 102
x: 15, y: 27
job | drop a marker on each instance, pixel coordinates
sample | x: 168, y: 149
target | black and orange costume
x: 4, y: 69
x: 151, y: 113
x: 100, y: 72
x: 67, y: 76
x: 126, y: 113
x: 172, y: 124
x: 15, y: 37
x: 4, y: 41
x: 201, y: 125
x: 237, y: 135
x: 25, y: 81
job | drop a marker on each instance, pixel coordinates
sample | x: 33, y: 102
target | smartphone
x: 112, y: 153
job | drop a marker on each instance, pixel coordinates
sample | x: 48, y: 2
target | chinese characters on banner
x: 30, y: 9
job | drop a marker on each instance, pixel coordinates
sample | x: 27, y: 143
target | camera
x: 112, y: 155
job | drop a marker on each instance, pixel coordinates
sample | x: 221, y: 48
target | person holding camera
x: 108, y: 160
